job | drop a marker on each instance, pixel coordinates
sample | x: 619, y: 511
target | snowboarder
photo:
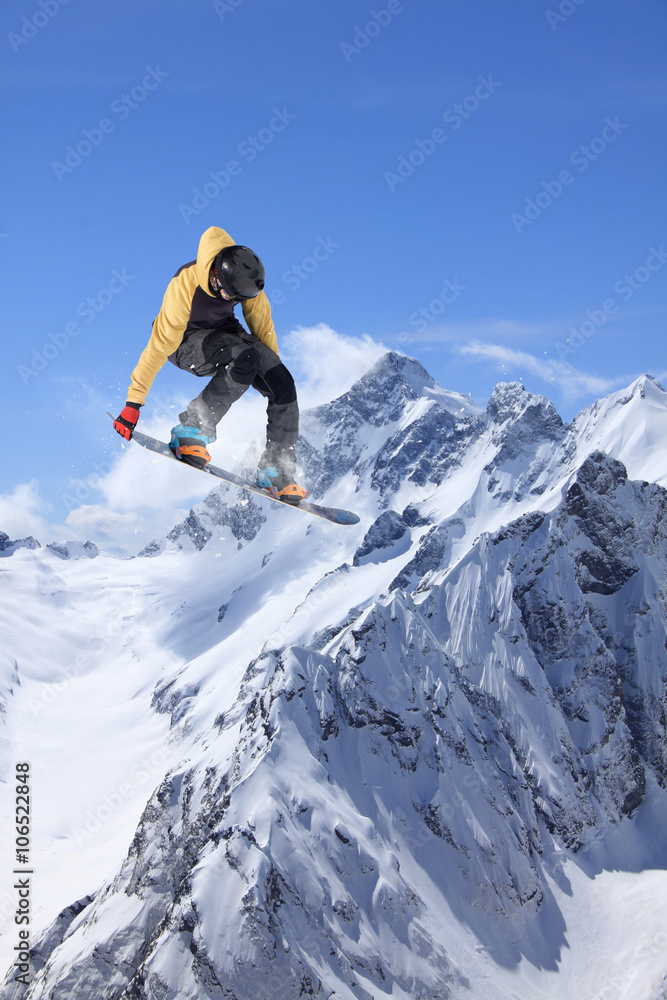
x: 196, y: 330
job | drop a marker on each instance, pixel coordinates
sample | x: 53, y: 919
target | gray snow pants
x: 238, y: 360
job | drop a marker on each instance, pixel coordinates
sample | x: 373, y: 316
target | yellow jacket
x: 184, y: 307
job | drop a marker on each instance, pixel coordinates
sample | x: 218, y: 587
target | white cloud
x: 21, y: 512
x: 452, y: 333
x: 121, y: 532
x: 572, y: 383
x: 325, y: 364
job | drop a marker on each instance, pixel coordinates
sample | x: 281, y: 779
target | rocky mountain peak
x: 8, y: 546
x: 645, y: 386
x: 380, y: 395
x: 511, y: 401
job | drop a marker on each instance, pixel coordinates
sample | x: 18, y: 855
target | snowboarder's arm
x: 257, y: 314
x: 168, y: 330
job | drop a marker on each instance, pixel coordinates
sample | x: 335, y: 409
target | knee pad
x: 245, y: 367
x: 280, y: 384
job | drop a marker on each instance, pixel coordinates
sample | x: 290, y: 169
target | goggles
x: 216, y: 285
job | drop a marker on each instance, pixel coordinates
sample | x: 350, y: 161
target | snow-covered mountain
x: 422, y: 757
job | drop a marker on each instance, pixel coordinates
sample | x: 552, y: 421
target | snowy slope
x: 421, y: 757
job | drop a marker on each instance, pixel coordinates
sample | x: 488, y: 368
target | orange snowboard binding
x: 189, y: 445
x: 281, y: 485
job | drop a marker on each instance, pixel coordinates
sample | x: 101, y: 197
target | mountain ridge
x: 390, y: 750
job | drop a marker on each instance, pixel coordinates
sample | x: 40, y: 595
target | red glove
x: 127, y: 420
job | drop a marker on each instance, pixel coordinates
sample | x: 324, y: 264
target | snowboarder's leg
x: 235, y: 358
x: 238, y: 365
x: 245, y: 361
x: 282, y: 417
x: 276, y: 466
x: 226, y: 386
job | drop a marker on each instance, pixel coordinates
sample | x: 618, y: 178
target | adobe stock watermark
x: 31, y: 26
x: 222, y: 7
x: 88, y: 311
x: 616, y: 980
x: 162, y: 406
x: 625, y: 288
x: 566, y: 9
x: 454, y: 116
x: 423, y: 317
x: 49, y: 693
x: 121, y: 108
x: 114, y: 629
x: 248, y: 150
x: 581, y: 158
x: 378, y: 20
x: 81, y: 490
x: 95, y: 819
x: 295, y: 275
x: 86, y: 488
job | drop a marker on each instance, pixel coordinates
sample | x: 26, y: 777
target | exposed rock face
x: 74, y: 550
x: 63, y: 550
x: 423, y: 451
x: 9, y: 547
x: 388, y: 529
x: 220, y: 510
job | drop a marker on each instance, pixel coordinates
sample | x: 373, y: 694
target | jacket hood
x: 210, y: 245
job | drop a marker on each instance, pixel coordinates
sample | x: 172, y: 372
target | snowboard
x: 333, y: 514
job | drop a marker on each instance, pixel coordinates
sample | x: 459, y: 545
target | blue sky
x: 477, y: 183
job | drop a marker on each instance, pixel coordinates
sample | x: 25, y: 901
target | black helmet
x: 240, y: 272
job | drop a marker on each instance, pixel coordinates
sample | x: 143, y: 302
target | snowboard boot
x: 189, y: 444
x: 280, y: 485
